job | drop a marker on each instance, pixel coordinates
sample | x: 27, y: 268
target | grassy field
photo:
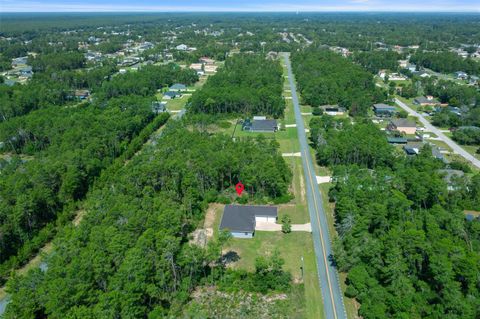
x: 472, y: 149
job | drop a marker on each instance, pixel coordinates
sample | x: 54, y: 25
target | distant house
x: 403, y: 63
x: 178, y: 87
x: 469, y: 217
x: 472, y: 215
x: 210, y: 68
x: 454, y: 110
x: 461, y: 75
x: 412, y: 148
x: 272, y: 55
x: 421, y: 74
x: 426, y: 101
x: 82, y: 94
x: 241, y: 220
x: 26, y: 71
x: 260, y: 124
x: 207, y: 61
x: 396, y: 140
x: 436, y: 153
x: 182, y: 47
x: 474, y: 80
x: 384, y: 110
x: 451, y: 176
x: 198, y: 67
x: 333, y: 110
x: 170, y: 95
x: 19, y: 61
x: 403, y: 125
x: 159, y: 107
x: 411, y: 67
x: 396, y: 77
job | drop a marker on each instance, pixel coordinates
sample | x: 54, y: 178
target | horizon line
x: 249, y: 11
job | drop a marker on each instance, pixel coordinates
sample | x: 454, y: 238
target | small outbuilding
x: 240, y: 220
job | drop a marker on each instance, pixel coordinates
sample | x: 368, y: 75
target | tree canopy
x: 247, y: 84
x: 324, y: 77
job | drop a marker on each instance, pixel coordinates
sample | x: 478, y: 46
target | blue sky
x: 243, y: 5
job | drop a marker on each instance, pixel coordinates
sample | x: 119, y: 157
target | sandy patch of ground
x: 290, y: 125
x: 35, y: 261
x: 265, y: 226
x: 79, y: 217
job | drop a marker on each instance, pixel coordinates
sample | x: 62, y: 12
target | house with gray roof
x: 171, y: 95
x: 382, y: 109
x: 178, y: 87
x: 240, y: 220
x: 412, y: 148
x: 260, y: 124
x: 461, y: 75
x: 426, y: 101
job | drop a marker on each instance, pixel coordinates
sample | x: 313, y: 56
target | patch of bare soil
x: 79, y: 217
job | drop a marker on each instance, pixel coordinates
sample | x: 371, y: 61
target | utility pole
x: 303, y: 268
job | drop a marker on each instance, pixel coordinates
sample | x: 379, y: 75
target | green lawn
x: 178, y: 103
x: 441, y: 144
x: 472, y: 149
x: 292, y: 248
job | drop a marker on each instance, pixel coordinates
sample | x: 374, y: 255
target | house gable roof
x: 178, y: 86
x: 264, y: 125
x: 403, y: 123
x: 241, y: 218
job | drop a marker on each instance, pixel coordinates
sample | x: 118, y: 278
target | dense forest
x: 326, y: 78
x: 130, y: 257
x: 403, y: 238
x: 69, y: 148
x: 446, y: 62
x: 375, y: 61
x: 247, y: 84
x: 58, y: 152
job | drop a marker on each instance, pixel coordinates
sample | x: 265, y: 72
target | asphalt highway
x: 327, y: 273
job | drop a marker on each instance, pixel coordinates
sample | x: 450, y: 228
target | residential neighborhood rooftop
x: 403, y: 123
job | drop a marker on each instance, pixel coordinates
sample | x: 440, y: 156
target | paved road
x: 328, y: 276
x: 455, y: 147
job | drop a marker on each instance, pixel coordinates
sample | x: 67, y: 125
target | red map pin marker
x: 239, y: 188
